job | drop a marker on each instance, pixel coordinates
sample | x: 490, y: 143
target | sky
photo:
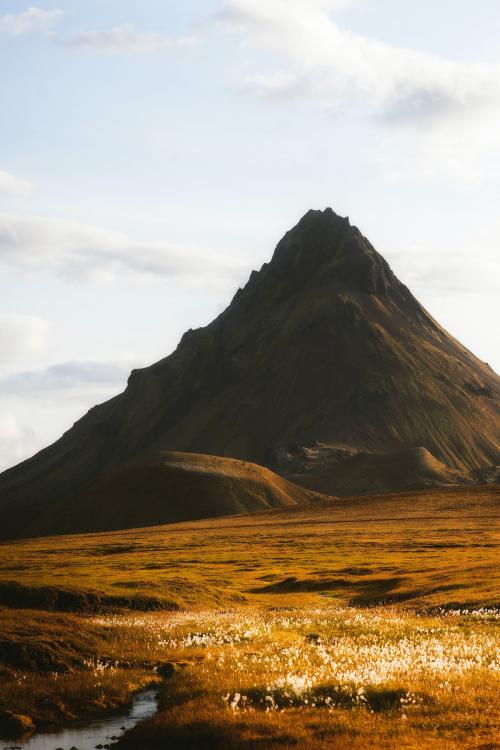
x: 153, y: 153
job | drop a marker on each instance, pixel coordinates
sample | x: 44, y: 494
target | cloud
x: 83, y: 252
x: 51, y: 400
x: 340, y: 67
x: 66, y: 376
x: 21, y: 336
x: 9, y: 429
x: 464, y: 272
x: 437, y: 108
x: 16, y: 442
x: 11, y: 184
x: 126, y: 39
x: 30, y: 21
x: 123, y: 38
x: 280, y: 85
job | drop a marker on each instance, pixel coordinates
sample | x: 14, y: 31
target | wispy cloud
x: 30, y: 21
x: 83, y: 252
x: 438, y: 108
x: 66, y: 376
x: 434, y: 271
x: 14, y: 185
x: 21, y: 336
x: 126, y: 39
x: 340, y: 67
x: 37, y: 406
x: 16, y: 441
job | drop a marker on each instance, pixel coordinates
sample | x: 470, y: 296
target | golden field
x: 366, y: 622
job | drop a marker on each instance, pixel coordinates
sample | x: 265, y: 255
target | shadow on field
x: 209, y: 734
x: 366, y: 592
x: 224, y: 730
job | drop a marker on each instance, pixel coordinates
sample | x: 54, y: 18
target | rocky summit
x: 321, y: 366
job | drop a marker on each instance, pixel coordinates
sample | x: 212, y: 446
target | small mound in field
x: 374, y: 473
x: 169, y: 487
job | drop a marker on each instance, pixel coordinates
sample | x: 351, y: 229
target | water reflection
x: 87, y: 736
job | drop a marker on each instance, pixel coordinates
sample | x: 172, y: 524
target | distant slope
x: 370, y: 473
x: 167, y: 487
x: 324, y: 344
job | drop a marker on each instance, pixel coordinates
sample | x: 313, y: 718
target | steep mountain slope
x: 166, y: 487
x: 323, y: 345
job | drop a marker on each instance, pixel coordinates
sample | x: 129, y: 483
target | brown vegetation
x: 429, y: 549
x: 398, y: 591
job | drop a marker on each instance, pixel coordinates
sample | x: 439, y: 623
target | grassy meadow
x: 371, y: 623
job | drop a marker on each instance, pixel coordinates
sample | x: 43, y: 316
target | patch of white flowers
x: 325, y: 656
x: 481, y: 613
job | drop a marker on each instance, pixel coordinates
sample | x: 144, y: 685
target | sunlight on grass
x: 368, y: 624
x: 318, y: 663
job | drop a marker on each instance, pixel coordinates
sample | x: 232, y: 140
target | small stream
x: 85, y: 736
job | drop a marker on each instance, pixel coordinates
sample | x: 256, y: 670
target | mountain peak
x: 325, y: 243
x: 315, y: 214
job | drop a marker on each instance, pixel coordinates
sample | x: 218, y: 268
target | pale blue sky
x: 152, y: 153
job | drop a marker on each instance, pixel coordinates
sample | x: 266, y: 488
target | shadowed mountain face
x: 324, y: 351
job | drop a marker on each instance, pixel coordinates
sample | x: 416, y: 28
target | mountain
x: 323, y: 355
x: 168, y: 487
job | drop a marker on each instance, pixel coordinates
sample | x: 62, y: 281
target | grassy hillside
x: 367, y: 623
x: 427, y: 549
x: 166, y: 487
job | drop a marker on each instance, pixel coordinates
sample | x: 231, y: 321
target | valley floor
x: 368, y: 623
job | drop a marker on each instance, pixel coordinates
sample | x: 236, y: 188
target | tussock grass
x: 50, y: 700
x: 57, y: 668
